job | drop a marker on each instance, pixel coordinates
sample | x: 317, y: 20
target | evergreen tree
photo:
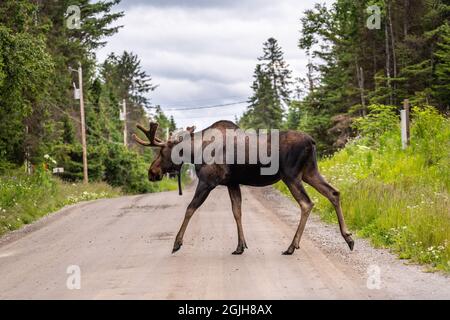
x: 441, y: 87
x: 124, y: 79
x: 294, y: 115
x: 271, y: 89
x: 172, y: 124
x: 358, y: 66
x: 25, y: 69
x: 265, y: 110
x: 276, y: 69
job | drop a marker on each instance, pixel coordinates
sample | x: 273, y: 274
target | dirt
x: 123, y: 250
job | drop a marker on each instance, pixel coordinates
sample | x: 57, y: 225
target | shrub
x: 381, y: 119
x: 398, y: 198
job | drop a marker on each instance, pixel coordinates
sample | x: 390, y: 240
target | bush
x: 381, y: 119
x: 25, y: 198
x: 129, y: 170
x: 112, y: 163
x: 398, y: 198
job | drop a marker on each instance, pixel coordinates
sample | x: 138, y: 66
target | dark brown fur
x: 297, y: 164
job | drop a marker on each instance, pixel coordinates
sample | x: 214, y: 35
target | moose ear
x: 190, y: 129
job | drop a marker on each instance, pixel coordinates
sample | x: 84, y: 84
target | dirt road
x: 123, y: 249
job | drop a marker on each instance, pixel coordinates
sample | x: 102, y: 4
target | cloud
x: 203, y: 52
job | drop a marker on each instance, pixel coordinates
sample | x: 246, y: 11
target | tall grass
x: 397, y: 198
x: 26, y: 198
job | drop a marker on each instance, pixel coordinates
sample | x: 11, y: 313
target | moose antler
x: 153, y: 141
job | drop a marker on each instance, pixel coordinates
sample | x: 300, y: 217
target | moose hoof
x: 176, y: 246
x: 289, y: 251
x: 350, y: 242
x: 238, y: 251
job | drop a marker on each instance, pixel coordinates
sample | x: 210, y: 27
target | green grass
x: 397, y: 198
x: 26, y: 198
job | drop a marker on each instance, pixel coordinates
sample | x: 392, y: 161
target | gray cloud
x: 203, y: 52
x: 190, y: 3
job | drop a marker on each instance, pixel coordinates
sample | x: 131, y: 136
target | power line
x: 205, y: 100
x: 205, y: 107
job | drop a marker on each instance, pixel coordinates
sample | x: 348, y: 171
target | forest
x: 353, y: 64
x: 39, y: 53
x: 364, y: 59
x: 355, y: 61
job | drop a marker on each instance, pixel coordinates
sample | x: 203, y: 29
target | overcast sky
x: 203, y: 52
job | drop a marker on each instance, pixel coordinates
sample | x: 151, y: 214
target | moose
x: 297, y: 164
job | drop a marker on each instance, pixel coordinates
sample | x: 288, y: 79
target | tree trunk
x: 310, y: 77
x: 388, y: 61
x: 360, y: 76
x: 405, y: 17
x: 394, y: 59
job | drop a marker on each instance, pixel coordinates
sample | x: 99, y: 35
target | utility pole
x: 27, y: 152
x: 79, y: 95
x: 405, y: 125
x: 83, y: 125
x: 124, y: 103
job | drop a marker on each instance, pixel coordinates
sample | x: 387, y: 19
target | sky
x: 202, y: 53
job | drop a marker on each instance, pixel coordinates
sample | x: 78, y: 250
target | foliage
x: 381, y: 118
x: 25, y: 66
x: 442, y: 84
x: 38, y: 112
x: 25, y: 198
x: 125, y: 168
x: 270, y: 90
x: 398, y: 198
x: 352, y: 66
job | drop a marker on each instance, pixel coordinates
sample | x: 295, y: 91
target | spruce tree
x: 265, y: 110
x: 271, y: 89
x: 276, y: 69
x: 441, y: 88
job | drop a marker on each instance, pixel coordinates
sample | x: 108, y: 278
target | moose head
x: 163, y: 162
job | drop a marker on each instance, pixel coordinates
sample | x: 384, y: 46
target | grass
x: 399, y: 199
x: 26, y: 198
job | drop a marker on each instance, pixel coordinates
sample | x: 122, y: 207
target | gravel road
x: 123, y: 250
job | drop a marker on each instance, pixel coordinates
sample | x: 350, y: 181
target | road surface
x: 123, y: 250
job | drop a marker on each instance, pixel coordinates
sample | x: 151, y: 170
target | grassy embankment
x: 397, y: 198
x: 24, y: 199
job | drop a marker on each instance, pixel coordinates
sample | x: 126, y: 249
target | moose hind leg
x: 201, y: 193
x: 306, y: 205
x: 236, y: 201
x: 319, y: 183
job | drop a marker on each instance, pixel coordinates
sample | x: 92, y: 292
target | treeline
x: 355, y: 62
x: 40, y: 117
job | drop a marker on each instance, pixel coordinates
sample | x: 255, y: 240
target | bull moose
x: 297, y: 163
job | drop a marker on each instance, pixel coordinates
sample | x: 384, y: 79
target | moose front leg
x: 236, y: 201
x: 201, y: 193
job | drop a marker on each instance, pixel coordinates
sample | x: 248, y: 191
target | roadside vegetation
x: 397, y: 198
x: 25, y: 198
x: 40, y: 125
